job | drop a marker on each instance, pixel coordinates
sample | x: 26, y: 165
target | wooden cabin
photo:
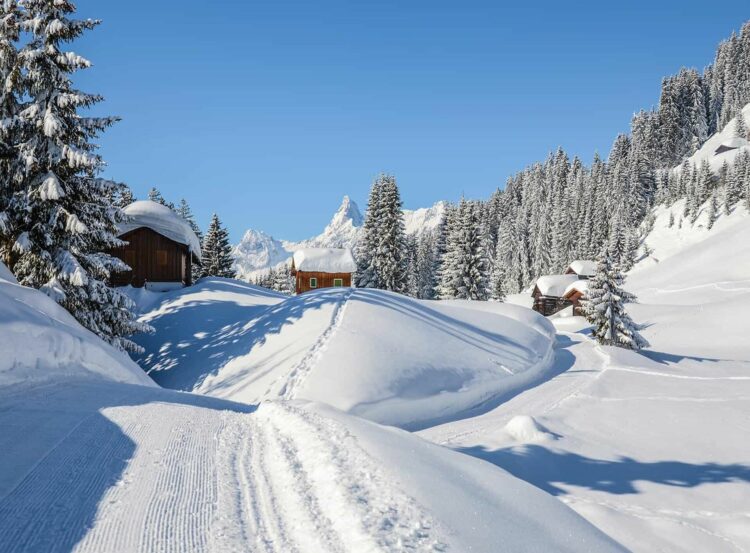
x: 549, y: 292
x: 160, y: 248
x: 314, y: 268
x: 574, y: 293
x: 582, y: 268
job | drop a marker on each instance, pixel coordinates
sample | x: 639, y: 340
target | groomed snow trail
x: 296, y: 377
x: 125, y: 468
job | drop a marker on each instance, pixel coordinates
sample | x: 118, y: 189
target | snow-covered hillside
x: 257, y: 251
x: 94, y: 457
x: 727, y: 137
x: 422, y: 362
x: 647, y: 447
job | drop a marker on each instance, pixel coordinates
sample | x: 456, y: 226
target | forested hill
x: 559, y: 209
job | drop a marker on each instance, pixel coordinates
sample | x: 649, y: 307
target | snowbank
x: 380, y: 355
x: 161, y: 219
x: 39, y: 341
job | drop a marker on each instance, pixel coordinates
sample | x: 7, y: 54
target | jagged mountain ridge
x: 257, y: 252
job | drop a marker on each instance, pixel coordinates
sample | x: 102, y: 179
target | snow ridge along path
x: 296, y: 377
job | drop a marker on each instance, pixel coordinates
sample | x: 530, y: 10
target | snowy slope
x: 39, y: 340
x: 257, y: 251
x: 422, y: 362
x: 707, y: 152
x: 647, y: 447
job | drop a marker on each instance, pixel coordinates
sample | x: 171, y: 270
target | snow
x: 325, y: 260
x: 423, y: 361
x: 39, y: 340
x: 735, y: 142
x: 94, y: 457
x: 555, y: 285
x: 707, y: 151
x: 647, y: 447
x: 579, y: 285
x: 583, y: 267
x: 424, y: 219
x: 160, y: 219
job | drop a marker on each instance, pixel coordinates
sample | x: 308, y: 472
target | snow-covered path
x: 142, y: 469
x: 649, y: 452
x: 98, y: 466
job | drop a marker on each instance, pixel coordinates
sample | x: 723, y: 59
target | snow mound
x: 325, y: 260
x: 524, y: 428
x: 161, y: 219
x: 39, y: 340
x: 380, y: 355
x: 6, y: 275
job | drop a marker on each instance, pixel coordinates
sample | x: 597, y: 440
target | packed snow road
x: 94, y: 465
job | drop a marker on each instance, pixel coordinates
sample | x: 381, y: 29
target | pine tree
x: 124, y: 197
x: 713, y: 211
x: 604, y: 307
x: 468, y: 275
x: 216, y: 251
x: 740, y: 127
x: 184, y: 211
x: 366, y: 276
x: 69, y: 217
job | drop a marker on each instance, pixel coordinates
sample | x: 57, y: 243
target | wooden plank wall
x: 325, y: 280
x: 153, y: 258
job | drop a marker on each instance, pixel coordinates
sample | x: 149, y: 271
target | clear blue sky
x: 269, y: 112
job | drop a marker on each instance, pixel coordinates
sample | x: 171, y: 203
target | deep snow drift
x: 90, y: 460
x: 40, y: 340
x: 380, y: 355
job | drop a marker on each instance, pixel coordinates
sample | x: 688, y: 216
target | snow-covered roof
x: 733, y: 143
x: 555, y: 285
x: 325, y: 260
x: 583, y: 267
x: 581, y: 286
x: 161, y: 219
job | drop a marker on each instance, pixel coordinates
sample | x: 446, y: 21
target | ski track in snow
x: 155, y: 474
x: 296, y: 377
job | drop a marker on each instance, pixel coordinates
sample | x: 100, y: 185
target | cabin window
x: 161, y: 257
x: 313, y: 282
x: 338, y: 281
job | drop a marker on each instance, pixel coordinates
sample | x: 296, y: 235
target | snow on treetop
x: 555, y: 285
x: 580, y: 285
x: 161, y: 219
x: 583, y: 267
x: 325, y: 260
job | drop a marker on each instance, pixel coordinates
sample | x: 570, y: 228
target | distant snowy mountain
x: 257, y: 251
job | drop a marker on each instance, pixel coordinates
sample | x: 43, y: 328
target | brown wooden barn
x: 314, y: 268
x: 159, y: 250
x: 549, y: 293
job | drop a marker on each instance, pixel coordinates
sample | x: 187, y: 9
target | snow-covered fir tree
x: 69, y: 217
x: 217, y: 251
x: 466, y: 273
x: 381, y: 254
x: 184, y: 211
x: 12, y: 197
x: 604, y: 307
x: 124, y: 197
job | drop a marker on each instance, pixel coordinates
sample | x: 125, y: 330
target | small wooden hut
x: 574, y: 293
x: 159, y: 250
x: 549, y: 291
x: 314, y: 268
